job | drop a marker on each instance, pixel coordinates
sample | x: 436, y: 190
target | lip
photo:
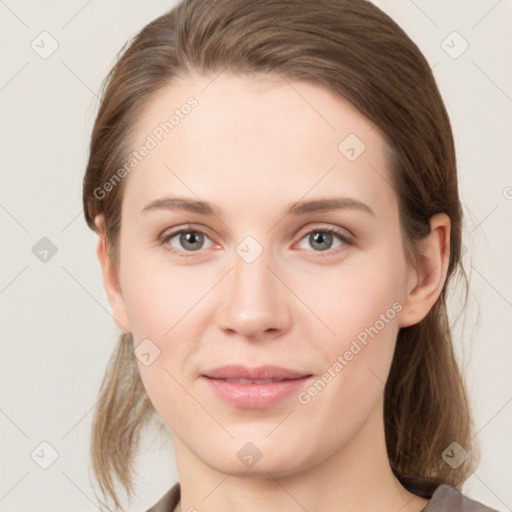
x: 276, y: 384
x: 238, y: 371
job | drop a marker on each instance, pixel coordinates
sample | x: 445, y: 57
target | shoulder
x: 168, y: 501
x: 449, y: 499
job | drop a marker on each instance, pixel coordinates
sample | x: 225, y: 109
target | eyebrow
x: 296, y: 208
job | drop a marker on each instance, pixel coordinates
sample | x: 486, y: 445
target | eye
x: 321, y: 240
x: 187, y: 240
x: 190, y: 240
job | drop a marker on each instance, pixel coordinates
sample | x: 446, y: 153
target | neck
x: 355, y: 477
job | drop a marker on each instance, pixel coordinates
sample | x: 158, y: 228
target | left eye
x: 322, y: 239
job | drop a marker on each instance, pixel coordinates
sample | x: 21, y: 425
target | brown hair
x: 353, y: 49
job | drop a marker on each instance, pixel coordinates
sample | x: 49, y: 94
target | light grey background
x: 56, y: 329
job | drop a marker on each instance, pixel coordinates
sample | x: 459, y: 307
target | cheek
x: 361, y: 306
x: 354, y: 363
x: 162, y: 304
x: 356, y: 295
x: 159, y: 297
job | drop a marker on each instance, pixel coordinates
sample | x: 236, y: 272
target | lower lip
x: 255, y: 396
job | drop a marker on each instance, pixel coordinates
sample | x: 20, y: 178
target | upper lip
x: 257, y: 372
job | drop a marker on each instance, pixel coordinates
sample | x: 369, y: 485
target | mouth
x: 254, y: 388
x: 271, y: 373
x: 254, y: 381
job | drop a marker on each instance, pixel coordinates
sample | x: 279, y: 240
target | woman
x: 274, y: 189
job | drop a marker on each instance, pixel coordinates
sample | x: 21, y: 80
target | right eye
x: 184, y: 240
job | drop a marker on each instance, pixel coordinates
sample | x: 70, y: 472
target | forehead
x: 238, y: 135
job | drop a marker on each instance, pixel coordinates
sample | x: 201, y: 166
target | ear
x: 110, y: 278
x: 425, y: 283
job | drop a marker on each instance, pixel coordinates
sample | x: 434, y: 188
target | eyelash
x: 347, y: 241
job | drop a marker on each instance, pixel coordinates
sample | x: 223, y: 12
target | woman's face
x: 260, y: 282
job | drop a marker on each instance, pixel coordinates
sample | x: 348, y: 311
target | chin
x: 280, y: 462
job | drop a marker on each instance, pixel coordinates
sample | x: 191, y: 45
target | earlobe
x: 427, y: 280
x: 110, y: 278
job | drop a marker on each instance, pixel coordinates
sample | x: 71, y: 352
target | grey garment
x: 444, y: 499
x: 448, y: 499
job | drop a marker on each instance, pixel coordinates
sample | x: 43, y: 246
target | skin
x: 250, y: 147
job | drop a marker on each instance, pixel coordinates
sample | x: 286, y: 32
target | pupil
x: 188, y: 239
x: 318, y: 238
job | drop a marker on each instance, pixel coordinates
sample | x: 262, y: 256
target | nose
x: 255, y: 301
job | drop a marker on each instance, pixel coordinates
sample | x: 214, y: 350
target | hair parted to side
x: 355, y: 50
